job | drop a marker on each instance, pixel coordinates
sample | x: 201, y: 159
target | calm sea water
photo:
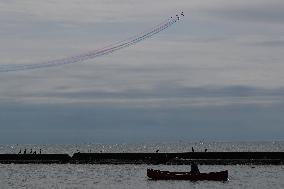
x: 134, y: 176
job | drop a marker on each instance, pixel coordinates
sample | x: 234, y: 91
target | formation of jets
x: 178, y: 16
x: 96, y: 53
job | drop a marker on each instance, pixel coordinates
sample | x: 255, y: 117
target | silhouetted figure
x: 205, y: 150
x: 157, y: 151
x: 31, y: 151
x: 39, y: 151
x: 192, y: 149
x: 34, y: 152
x: 25, y: 151
x: 182, y: 14
x: 20, y: 151
x: 194, y: 168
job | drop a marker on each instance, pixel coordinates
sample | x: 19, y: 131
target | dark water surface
x: 134, y: 176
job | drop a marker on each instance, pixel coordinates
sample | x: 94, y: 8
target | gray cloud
x: 166, y: 95
x: 166, y: 91
x: 263, y: 12
x: 270, y: 43
x: 46, y: 123
x: 216, y: 75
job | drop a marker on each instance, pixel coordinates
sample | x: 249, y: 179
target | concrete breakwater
x: 209, y: 158
x: 34, y: 158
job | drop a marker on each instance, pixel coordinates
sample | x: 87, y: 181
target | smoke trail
x: 96, y: 53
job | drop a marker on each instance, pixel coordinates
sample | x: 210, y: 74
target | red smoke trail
x: 93, y: 54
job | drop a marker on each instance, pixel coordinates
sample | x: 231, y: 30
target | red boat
x: 167, y: 175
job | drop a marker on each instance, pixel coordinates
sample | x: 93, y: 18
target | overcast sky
x: 216, y: 75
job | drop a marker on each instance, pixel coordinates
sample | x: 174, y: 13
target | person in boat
x: 39, y: 151
x: 194, y: 168
x: 25, y: 151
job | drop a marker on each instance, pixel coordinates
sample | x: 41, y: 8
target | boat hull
x: 167, y: 175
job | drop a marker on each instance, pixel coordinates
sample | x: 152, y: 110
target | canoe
x: 167, y: 175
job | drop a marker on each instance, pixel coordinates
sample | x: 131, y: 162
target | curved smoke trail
x: 96, y: 53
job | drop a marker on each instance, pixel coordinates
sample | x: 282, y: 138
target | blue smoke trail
x: 93, y: 54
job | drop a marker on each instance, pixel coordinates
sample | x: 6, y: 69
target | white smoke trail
x: 93, y: 54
